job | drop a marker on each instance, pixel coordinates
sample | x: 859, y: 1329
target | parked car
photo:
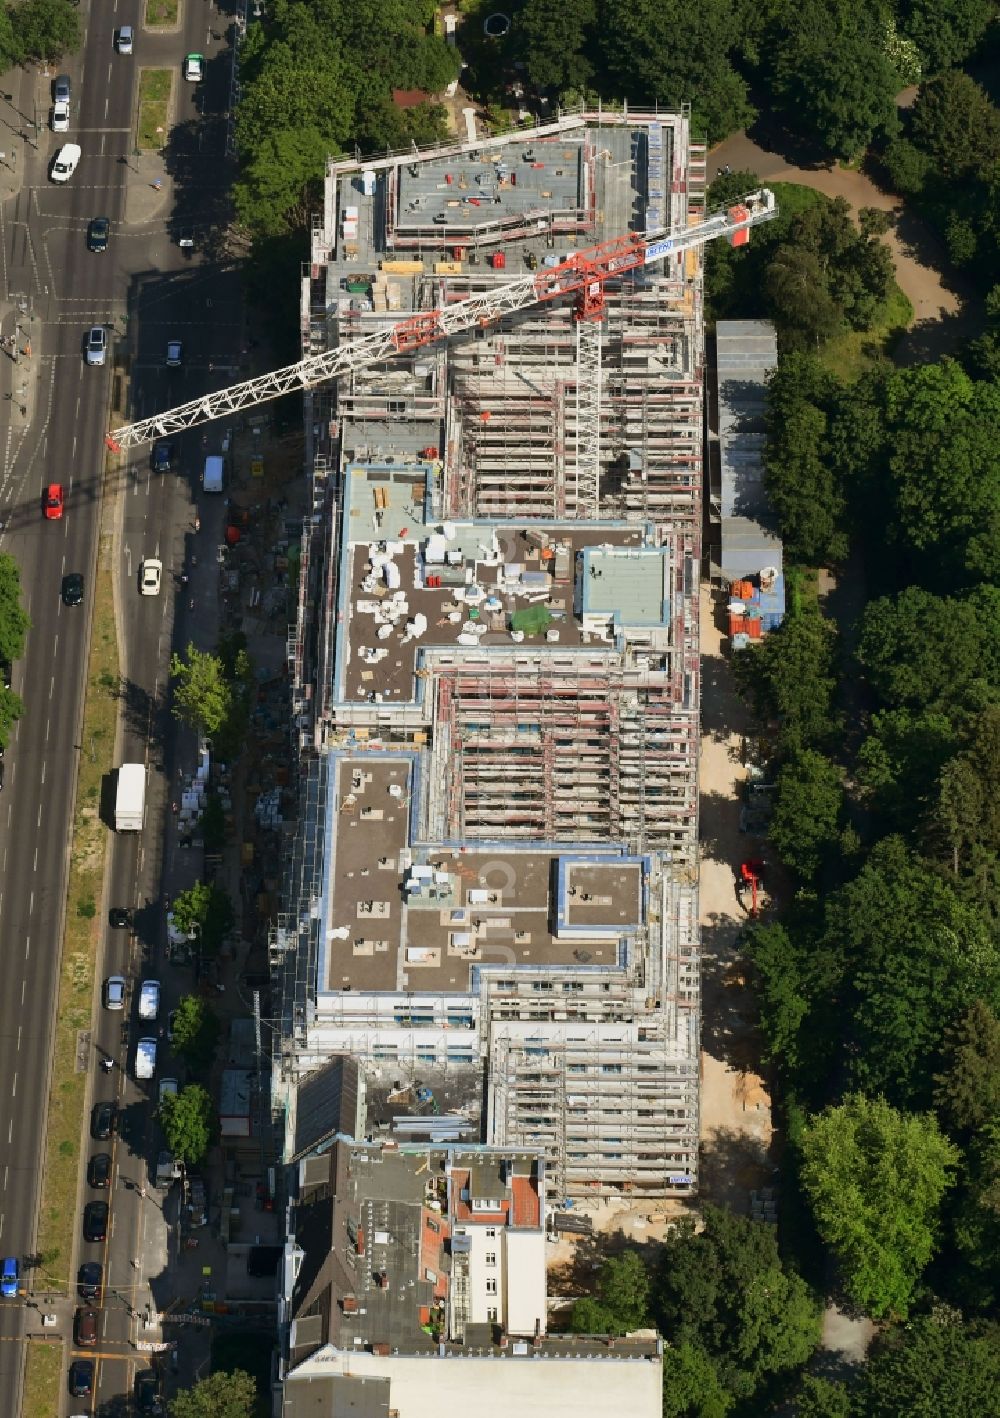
x: 147, y: 1394
x: 95, y: 1221
x: 97, y: 234
x: 123, y: 40
x: 9, y: 1275
x: 65, y: 162
x: 103, y: 1120
x: 119, y: 918
x: 175, y: 354
x: 60, y: 118
x: 61, y: 88
x: 149, y: 999
x: 114, y: 992
x: 99, y: 1170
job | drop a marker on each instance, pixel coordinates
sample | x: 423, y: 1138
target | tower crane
x: 582, y: 275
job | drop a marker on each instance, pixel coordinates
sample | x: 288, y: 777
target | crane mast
x: 582, y: 275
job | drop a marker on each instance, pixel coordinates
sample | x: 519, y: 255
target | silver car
x: 114, y: 992
x: 97, y: 345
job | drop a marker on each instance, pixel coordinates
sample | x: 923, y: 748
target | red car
x: 54, y: 502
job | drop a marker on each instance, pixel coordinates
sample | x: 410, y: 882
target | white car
x: 114, y: 992
x: 150, y: 576
x: 194, y: 68
x: 65, y: 162
x: 145, y: 1058
x: 149, y: 999
x: 124, y: 40
x: 60, y: 117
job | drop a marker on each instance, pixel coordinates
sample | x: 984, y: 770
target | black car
x: 89, y: 1279
x: 119, y: 918
x: 81, y: 1378
x: 97, y: 234
x: 99, y: 1170
x: 147, y: 1394
x: 72, y: 589
x: 95, y: 1221
x: 103, y: 1117
x: 162, y: 457
x: 85, y: 1327
x: 7, y: 671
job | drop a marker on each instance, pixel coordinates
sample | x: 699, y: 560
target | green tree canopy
x: 14, y: 622
x: 945, y: 31
x: 804, y: 492
x: 202, y: 695
x: 222, y: 1395
x: 622, y: 1300
x: 553, y: 37
x: 833, y: 75
x: 875, y: 1179
x: 204, y: 910
x: 44, y: 29
x: 967, y: 1090
x: 934, y: 1366
x: 790, y: 678
x: 196, y: 1032
x: 926, y: 651
x: 691, y: 1385
x: 956, y: 125
x: 188, y: 1122
x: 805, y: 825
x: 723, y: 1293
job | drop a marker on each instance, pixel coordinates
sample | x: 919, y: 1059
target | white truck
x: 130, y: 798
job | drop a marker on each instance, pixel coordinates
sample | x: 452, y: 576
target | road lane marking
x: 13, y: 1087
x: 35, y: 867
x: 48, y: 725
x: 31, y: 904
x: 52, y: 687
x: 27, y: 946
x: 43, y: 770
x: 23, y: 987
x: 10, y: 1131
x: 19, y: 1038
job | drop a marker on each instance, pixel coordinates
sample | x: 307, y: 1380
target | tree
x: 204, y: 911
x: 222, y: 1395
x: 833, y: 79
x: 907, y: 166
x: 14, y: 622
x: 946, y: 31
x: 188, y: 1122
x: 967, y: 1090
x: 955, y: 124
x: 916, y: 954
x: 691, y: 1385
x: 202, y: 695
x: 822, y: 1398
x: 799, y: 298
x: 196, y: 1032
x: 805, y: 824
x: 553, y: 36
x: 935, y: 1365
x: 799, y: 971
x: 925, y: 651
x: 669, y: 52
x: 45, y: 29
x: 790, y: 677
x: 724, y: 1293
x: 875, y: 1179
x: 622, y: 1301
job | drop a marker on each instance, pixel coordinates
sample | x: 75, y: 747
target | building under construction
x: 492, y: 898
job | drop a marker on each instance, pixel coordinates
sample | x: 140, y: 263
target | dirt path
x: 946, y: 311
x: 735, y: 1106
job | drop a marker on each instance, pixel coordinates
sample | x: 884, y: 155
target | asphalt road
x: 168, y: 295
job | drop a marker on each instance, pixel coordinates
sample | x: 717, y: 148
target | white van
x: 149, y: 999
x: 145, y: 1058
x: 211, y: 479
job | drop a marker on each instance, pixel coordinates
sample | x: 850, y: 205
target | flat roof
x: 427, y: 923
x: 519, y: 183
x: 630, y: 584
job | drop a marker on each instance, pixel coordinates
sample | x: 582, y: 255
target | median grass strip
x: 57, y: 1213
x: 43, y: 1372
x: 161, y: 14
x: 155, y: 87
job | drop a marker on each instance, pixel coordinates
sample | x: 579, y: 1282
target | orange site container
x: 750, y: 625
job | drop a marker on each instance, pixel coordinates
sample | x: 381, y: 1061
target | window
x: 491, y: 1257
x: 491, y: 1287
x: 491, y: 1233
x: 491, y: 1314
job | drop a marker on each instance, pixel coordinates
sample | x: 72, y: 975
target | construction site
x: 490, y: 898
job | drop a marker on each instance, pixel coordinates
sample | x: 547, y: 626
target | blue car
x: 8, y: 1278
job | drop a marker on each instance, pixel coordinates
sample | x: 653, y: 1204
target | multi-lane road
x: 167, y: 294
